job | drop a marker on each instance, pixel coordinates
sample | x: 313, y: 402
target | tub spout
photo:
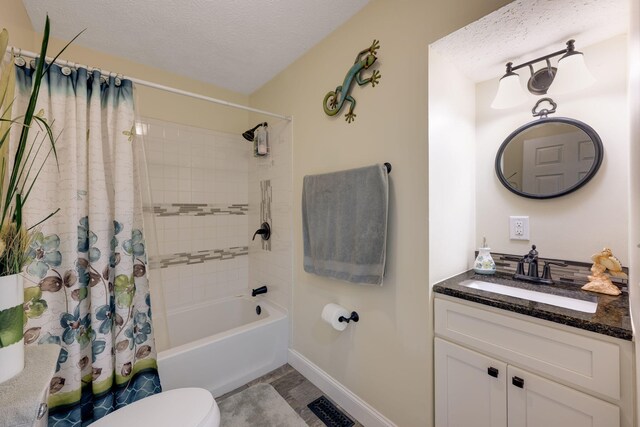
x: 258, y: 291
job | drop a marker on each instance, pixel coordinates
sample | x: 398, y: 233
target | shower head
x: 248, y: 135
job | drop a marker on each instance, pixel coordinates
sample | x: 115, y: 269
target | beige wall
x: 151, y: 102
x: 386, y: 358
x: 577, y: 225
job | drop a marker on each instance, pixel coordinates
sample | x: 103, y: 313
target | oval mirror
x: 549, y: 157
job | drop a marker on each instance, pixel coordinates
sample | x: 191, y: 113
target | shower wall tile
x: 270, y: 196
x: 199, y: 192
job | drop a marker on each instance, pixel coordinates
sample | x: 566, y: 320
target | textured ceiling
x: 235, y: 44
x: 526, y: 29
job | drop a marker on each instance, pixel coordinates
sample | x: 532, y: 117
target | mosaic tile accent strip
x: 266, y: 197
x: 196, y: 209
x: 189, y: 258
x: 574, y: 272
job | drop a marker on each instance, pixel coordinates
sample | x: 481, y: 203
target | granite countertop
x: 21, y: 396
x: 611, y: 317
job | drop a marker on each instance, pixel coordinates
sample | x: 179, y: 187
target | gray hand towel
x: 344, y: 224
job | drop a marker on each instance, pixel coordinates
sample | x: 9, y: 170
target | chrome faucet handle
x: 559, y: 264
x: 520, y: 261
x: 546, y: 271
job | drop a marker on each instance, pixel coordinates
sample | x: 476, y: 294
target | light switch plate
x: 519, y: 227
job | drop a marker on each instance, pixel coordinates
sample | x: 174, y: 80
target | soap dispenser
x: 484, y: 264
x: 261, y: 142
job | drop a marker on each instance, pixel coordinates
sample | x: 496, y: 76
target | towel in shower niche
x: 344, y: 224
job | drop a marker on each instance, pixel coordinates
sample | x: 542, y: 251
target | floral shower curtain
x: 86, y: 288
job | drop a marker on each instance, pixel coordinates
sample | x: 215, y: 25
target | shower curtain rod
x: 158, y: 86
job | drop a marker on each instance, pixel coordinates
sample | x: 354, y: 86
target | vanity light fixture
x: 570, y: 74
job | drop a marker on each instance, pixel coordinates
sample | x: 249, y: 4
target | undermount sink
x: 551, y: 299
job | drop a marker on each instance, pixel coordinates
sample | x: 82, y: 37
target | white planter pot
x: 11, y: 323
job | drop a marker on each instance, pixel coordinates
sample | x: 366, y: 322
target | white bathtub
x: 223, y: 344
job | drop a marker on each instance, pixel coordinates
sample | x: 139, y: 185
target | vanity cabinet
x: 499, y: 370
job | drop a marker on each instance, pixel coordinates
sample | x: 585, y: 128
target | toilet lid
x: 185, y: 407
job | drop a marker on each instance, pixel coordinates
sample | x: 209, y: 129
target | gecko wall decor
x: 335, y: 99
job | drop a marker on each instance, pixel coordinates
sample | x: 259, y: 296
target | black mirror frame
x: 597, y: 142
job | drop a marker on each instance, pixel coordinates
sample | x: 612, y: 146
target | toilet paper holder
x: 354, y: 316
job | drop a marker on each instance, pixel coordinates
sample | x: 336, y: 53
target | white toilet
x: 184, y: 407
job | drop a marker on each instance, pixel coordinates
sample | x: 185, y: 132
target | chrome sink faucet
x: 531, y: 259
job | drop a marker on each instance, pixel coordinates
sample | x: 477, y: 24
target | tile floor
x: 295, y: 389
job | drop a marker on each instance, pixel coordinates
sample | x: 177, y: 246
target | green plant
x: 17, y: 182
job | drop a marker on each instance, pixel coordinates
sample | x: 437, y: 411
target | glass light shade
x: 572, y: 75
x: 510, y: 92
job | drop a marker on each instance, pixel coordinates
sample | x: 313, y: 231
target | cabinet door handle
x: 492, y: 372
x: 517, y: 381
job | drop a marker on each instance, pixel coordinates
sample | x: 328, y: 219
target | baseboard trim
x: 354, y: 405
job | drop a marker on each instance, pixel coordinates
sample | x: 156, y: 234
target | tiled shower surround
x: 200, y: 203
x: 209, y: 195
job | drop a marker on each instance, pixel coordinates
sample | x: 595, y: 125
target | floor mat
x: 258, y: 406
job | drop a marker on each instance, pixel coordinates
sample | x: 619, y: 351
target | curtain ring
x: 19, y: 60
x: 66, y: 70
x: 32, y: 64
x: 116, y: 79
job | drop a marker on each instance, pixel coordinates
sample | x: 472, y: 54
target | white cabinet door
x: 538, y: 402
x: 470, y: 388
